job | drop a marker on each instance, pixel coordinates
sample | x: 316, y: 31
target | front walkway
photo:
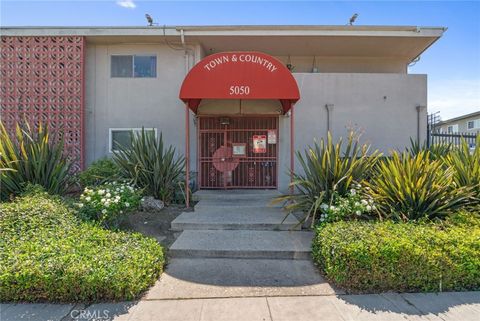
x: 461, y: 306
x: 235, y: 245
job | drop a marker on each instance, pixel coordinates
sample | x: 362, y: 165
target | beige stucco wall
x: 304, y: 64
x: 381, y: 105
x: 133, y: 102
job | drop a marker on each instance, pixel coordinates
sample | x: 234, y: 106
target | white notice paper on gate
x: 272, y: 136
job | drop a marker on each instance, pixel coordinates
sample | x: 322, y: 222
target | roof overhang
x: 469, y: 115
x: 388, y: 42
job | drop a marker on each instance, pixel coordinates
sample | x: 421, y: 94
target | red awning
x: 239, y: 75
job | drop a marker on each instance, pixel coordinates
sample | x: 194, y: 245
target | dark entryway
x: 238, y: 151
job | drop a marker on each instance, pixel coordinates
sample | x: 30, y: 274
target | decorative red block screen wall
x: 42, y: 81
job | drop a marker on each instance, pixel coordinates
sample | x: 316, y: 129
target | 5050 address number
x: 239, y: 90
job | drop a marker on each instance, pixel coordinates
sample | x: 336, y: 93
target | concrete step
x: 243, y: 244
x: 236, y: 198
x: 218, y: 218
x: 207, y: 278
x: 224, y: 203
x: 237, y: 194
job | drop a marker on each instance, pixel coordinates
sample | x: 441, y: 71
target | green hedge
x: 46, y: 254
x: 387, y: 256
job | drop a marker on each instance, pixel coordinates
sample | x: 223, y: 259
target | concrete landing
x: 243, y: 244
x: 215, y: 278
x: 239, y: 218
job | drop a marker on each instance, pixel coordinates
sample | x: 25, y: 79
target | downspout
x: 184, y: 45
x: 329, y: 108
x: 419, y: 110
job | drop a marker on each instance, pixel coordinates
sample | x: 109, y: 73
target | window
x: 473, y: 124
x: 122, y: 66
x: 133, y: 66
x: 145, y: 66
x: 123, y: 137
x: 452, y: 129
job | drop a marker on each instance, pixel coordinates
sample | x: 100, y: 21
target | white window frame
x: 454, y: 128
x: 134, y: 129
x: 133, y: 65
x: 476, y: 124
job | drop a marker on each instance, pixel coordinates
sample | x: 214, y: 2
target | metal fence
x: 436, y: 136
x: 454, y: 139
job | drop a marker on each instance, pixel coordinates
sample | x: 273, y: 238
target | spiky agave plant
x: 413, y: 187
x: 436, y: 151
x: 32, y: 156
x: 465, y: 162
x: 328, y: 167
x: 150, y: 165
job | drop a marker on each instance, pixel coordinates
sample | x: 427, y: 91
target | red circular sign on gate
x: 223, y: 159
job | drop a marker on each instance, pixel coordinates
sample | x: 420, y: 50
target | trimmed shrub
x: 32, y: 156
x: 46, y: 254
x: 99, y: 172
x: 413, y: 187
x: 328, y: 168
x: 386, y: 256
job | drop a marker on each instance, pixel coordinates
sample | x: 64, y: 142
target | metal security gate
x: 238, y: 152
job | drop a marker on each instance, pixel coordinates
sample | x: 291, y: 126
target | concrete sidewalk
x: 460, y: 306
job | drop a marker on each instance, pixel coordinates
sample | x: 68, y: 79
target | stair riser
x: 212, y: 226
x: 286, y: 255
x: 221, y: 211
x: 206, y: 205
x: 237, y: 197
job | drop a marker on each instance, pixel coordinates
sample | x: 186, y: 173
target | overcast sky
x: 452, y: 64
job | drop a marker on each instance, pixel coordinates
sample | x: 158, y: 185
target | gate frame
x: 277, y: 156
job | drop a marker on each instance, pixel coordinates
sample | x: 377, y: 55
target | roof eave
x: 446, y: 121
x: 280, y: 30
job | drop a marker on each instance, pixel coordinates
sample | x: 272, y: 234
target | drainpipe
x: 329, y: 108
x: 184, y: 45
x: 419, y: 110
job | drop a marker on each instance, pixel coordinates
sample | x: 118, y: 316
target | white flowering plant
x: 108, y: 203
x: 356, y: 205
